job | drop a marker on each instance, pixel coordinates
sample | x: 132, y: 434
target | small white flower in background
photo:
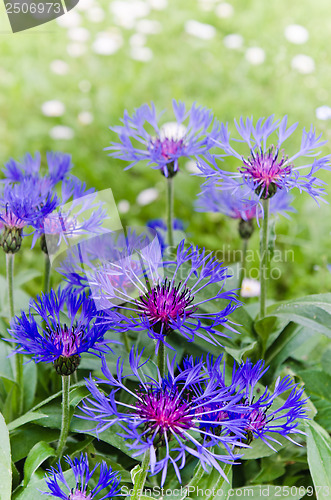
x: 233, y: 41
x: 69, y: 20
x: 53, y: 108
x: 61, y: 132
x: 207, y: 4
x: 147, y: 196
x: 76, y: 49
x: 84, y: 86
x: 84, y: 4
x: 192, y: 168
x: 303, y: 64
x: 143, y: 54
x: 107, y: 43
x: 158, y: 4
x: 137, y: 40
x: 126, y: 13
x: 59, y: 67
x: 224, y: 10
x: 95, y: 14
x: 148, y: 27
x: 297, y: 34
x: 255, y: 55
x: 123, y: 206
x: 85, y: 117
x: 200, y: 30
x: 323, y: 113
x: 172, y: 130
x: 78, y: 34
x: 250, y: 288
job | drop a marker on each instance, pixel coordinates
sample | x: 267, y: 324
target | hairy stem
x: 170, y: 211
x: 65, y: 415
x: 47, y: 274
x: 126, y: 342
x: 243, y: 264
x: 18, y: 357
x: 141, y: 478
x: 161, y: 361
x: 264, y: 259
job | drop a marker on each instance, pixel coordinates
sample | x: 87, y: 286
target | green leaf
x: 318, y: 387
x: 5, y: 462
x: 35, y: 488
x: 109, y: 436
x: 39, y: 453
x: 30, y: 384
x: 240, y: 352
x: 268, y: 491
x: 28, y: 417
x: 271, y: 468
x: 319, y: 459
x: 24, y: 438
x: 259, y: 449
x: 312, y: 311
x: 26, y: 275
x: 292, y: 337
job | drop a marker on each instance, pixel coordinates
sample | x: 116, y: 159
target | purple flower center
x: 257, y: 419
x: 67, y: 340
x: 164, y: 413
x: 164, y: 304
x: 168, y: 147
x: 12, y: 221
x: 265, y: 169
x: 79, y: 495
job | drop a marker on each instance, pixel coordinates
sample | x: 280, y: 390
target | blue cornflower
x: 265, y: 413
x: 267, y: 168
x: 56, y: 481
x: 164, y: 146
x: 234, y: 205
x: 59, y: 166
x: 160, y: 300
x: 22, y: 205
x: 77, y: 212
x: 166, y: 413
x: 54, y: 339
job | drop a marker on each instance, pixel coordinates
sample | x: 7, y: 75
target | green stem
x: 65, y: 415
x: 126, y: 342
x: 10, y: 278
x: 161, y: 361
x: 264, y: 258
x: 47, y: 274
x: 217, y: 486
x: 170, y: 211
x: 141, y: 478
x: 243, y: 264
x: 18, y: 357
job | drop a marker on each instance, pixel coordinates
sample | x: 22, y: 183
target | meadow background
x: 244, y: 58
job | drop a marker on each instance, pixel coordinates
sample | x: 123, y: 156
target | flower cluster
x: 191, y: 411
x: 176, y: 413
x: 30, y: 198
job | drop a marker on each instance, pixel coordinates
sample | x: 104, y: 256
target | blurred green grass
x: 187, y: 68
